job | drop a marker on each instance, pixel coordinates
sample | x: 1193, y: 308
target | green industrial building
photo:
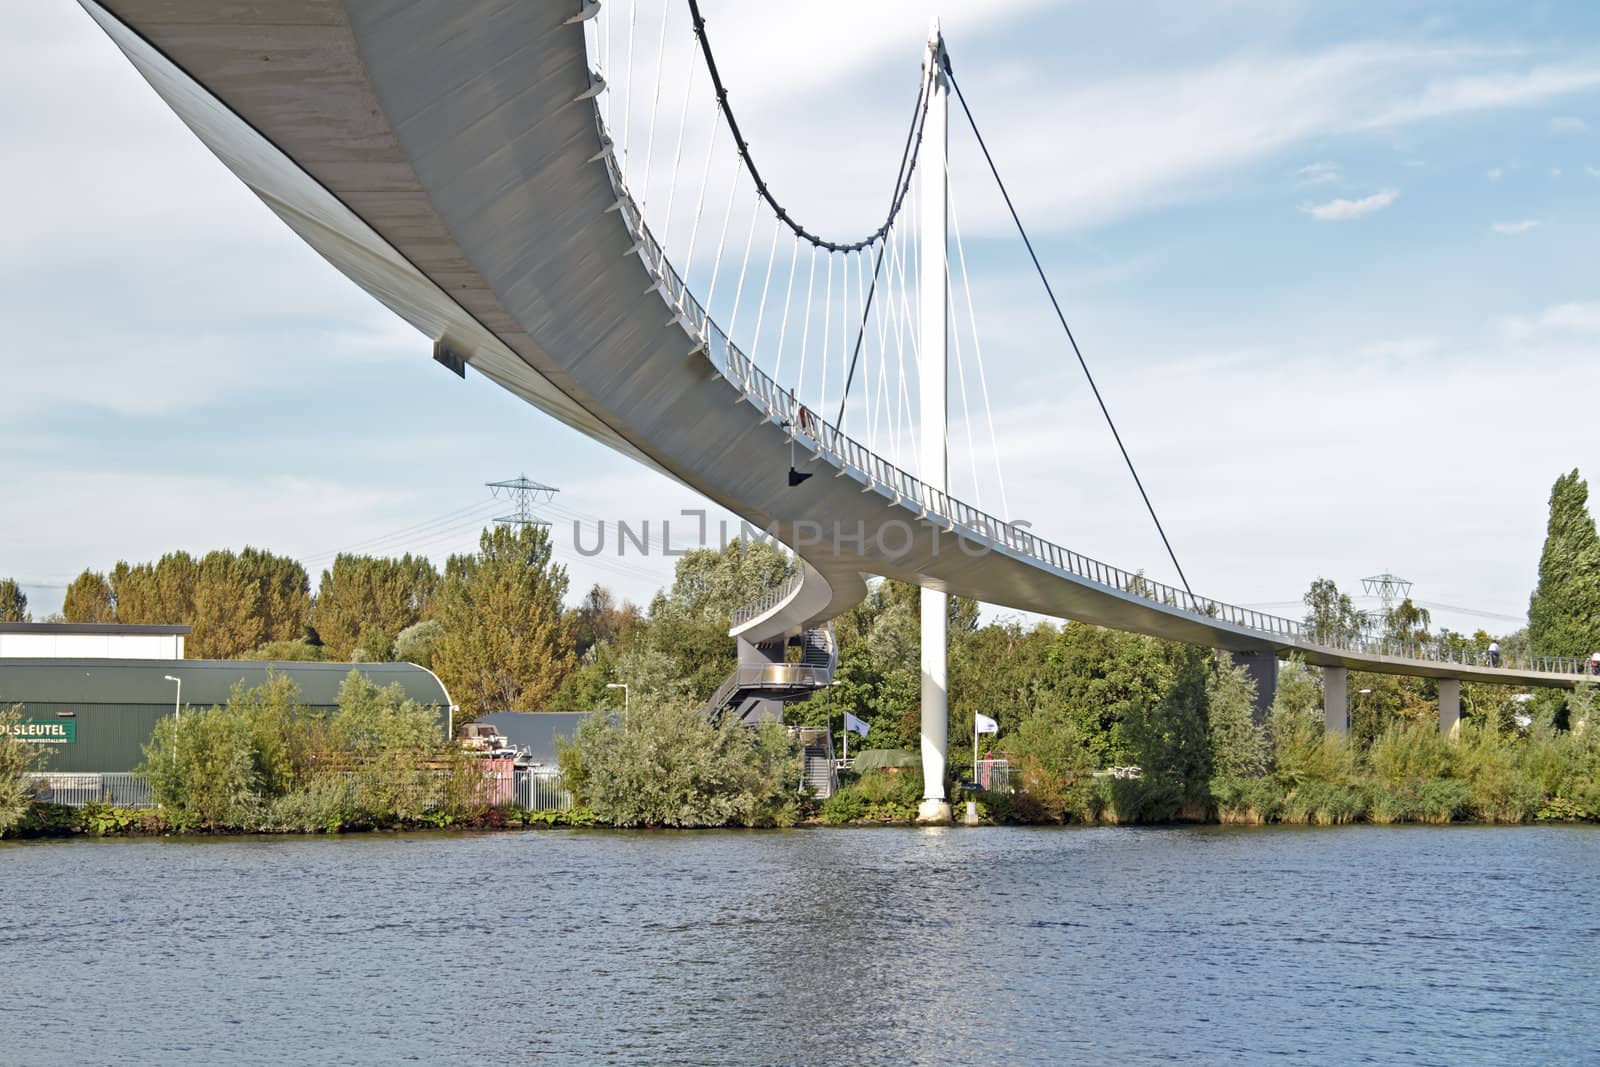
x: 96, y: 715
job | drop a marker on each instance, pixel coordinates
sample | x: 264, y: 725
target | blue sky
x: 1333, y: 269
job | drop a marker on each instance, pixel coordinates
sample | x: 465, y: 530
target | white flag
x: 985, y: 725
x: 855, y: 725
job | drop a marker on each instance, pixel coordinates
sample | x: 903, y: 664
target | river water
x: 891, y: 946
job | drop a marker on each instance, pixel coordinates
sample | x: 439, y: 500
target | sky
x: 1333, y: 271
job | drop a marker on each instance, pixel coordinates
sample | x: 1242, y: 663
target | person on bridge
x: 1494, y: 653
x: 1594, y: 663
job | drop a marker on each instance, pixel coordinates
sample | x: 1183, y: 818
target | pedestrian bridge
x: 455, y: 161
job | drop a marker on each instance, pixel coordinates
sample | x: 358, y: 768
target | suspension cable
x: 1076, y: 351
x: 755, y: 175
x: 910, y: 154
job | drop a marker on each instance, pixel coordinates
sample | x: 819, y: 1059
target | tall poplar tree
x: 13, y: 602
x: 89, y: 599
x: 375, y: 596
x: 1564, y: 612
x: 506, y: 643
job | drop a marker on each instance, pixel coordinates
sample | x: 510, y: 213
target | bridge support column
x: 1336, y: 700
x: 934, y: 373
x: 1449, y: 706
x: 935, y: 707
x: 1263, y: 670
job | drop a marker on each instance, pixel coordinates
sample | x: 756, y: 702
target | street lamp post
x: 624, y: 687
x: 177, y: 715
x: 177, y: 701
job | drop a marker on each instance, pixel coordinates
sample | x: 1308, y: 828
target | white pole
x: 935, y: 419
x: 177, y: 716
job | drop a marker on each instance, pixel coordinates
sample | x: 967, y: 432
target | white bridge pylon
x: 934, y: 379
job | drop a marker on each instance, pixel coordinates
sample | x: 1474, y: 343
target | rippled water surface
x: 1443, y: 946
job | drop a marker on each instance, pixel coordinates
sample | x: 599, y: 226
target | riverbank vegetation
x: 667, y: 764
x: 264, y: 762
x: 1073, y: 702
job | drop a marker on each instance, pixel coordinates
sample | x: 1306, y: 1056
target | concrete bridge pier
x: 1336, y: 700
x: 1449, y: 706
x: 1263, y: 670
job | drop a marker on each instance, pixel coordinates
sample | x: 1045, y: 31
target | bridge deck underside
x: 437, y: 154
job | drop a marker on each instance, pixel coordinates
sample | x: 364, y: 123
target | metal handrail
x: 768, y: 600
x: 780, y: 406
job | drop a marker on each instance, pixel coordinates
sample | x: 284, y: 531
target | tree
x: 1330, y: 614
x: 1238, y: 742
x: 13, y: 602
x: 283, y: 592
x: 160, y: 593
x: 416, y: 643
x: 1100, y: 678
x: 89, y: 599
x: 1564, y: 611
x: 18, y: 759
x: 359, y: 593
x: 234, y: 601
x: 506, y: 644
x: 599, y: 619
x: 226, y: 608
x: 1170, y: 742
x: 1000, y: 671
x: 1406, y: 623
x: 711, y: 584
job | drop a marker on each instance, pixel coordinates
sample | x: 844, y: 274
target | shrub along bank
x: 1288, y: 770
x: 266, y: 763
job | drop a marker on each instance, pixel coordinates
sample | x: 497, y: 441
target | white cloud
x: 1562, y: 319
x: 1479, y: 92
x: 1555, y: 172
x: 1593, y: 172
x: 1511, y: 229
x: 1343, y: 210
x: 1327, y: 409
x: 1494, y: 174
x: 1317, y: 174
x: 1567, y: 124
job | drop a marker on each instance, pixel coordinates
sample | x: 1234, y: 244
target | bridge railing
x: 781, y: 406
x: 768, y: 600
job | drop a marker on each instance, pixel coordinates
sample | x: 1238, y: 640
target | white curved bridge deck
x: 445, y: 157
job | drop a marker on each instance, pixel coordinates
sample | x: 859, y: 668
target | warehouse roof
x: 535, y: 731
x: 205, y: 681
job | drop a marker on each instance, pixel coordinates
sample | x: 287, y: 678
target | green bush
x: 106, y: 820
x: 1559, y: 809
x: 1497, y: 792
x: 323, y: 805
x: 571, y: 818
x: 266, y: 762
x: 845, y: 806
x: 1247, y: 800
x: 1443, y: 800
x: 18, y: 759
x: 1325, y: 804
x: 1409, y: 753
x: 664, y: 764
x: 878, y: 796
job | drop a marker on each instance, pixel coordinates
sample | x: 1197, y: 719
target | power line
x: 1062, y: 316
